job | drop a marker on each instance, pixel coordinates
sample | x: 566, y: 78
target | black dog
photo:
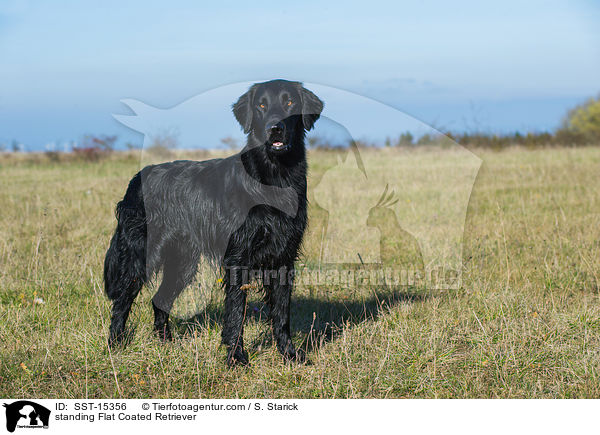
x: 246, y: 213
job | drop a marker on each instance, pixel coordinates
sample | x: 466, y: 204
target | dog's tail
x: 125, y: 261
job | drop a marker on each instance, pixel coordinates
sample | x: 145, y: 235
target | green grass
x: 524, y: 323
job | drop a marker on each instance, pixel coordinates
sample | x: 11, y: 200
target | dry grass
x: 524, y: 323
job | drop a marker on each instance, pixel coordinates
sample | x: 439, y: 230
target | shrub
x: 89, y: 154
x: 163, y: 145
x: 583, y: 121
x: 103, y: 142
x: 406, y: 139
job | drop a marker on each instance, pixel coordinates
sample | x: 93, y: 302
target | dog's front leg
x: 278, y: 295
x: 235, y: 313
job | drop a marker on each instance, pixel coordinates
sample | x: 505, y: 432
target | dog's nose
x: 276, y: 128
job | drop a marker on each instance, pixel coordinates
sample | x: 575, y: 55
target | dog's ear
x: 242, y: 109
x: 312, y: 107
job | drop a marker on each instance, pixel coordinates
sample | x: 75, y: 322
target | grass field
x: 525, y: 322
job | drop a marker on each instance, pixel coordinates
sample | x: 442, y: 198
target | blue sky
x: 461, y: 65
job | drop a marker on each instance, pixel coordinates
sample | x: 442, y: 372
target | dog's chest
x: 274, y: 233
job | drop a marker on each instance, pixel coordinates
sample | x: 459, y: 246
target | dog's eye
x: 262, y: 106
x: 289, y: 103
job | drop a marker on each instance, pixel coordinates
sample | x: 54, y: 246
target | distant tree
x: 584, y: 120
x: 230, y: 143
x: 103, y: 143
x: 425, y: 139
x: 517, y: 138
x: 313, y: 141
x: 131, y: 146
x: 163, y: 144
x: 406, y: 139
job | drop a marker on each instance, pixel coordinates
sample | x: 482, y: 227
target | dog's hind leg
x: 120, y: 313
x: 124, y: 276
x: 179, y: 270
x: 235, y: 311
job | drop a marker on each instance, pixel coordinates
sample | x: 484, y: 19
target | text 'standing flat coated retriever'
x: 245, y: 212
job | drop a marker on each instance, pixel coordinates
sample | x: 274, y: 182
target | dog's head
x: 277, y: 113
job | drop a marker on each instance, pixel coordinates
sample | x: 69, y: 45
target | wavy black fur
x: 247, y: 211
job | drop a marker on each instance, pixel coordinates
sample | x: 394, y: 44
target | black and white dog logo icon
x: 26, y: 414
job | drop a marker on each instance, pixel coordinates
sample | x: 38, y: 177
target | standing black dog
x: 247, y: 212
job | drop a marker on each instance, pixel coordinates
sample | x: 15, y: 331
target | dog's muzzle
x: 276, y: 136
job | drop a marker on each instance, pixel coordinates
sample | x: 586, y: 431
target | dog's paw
x: 237, y: 357
x: 119, y: 339
x: 296, y: 356
x: 163, y: 333
x: 115, y: 341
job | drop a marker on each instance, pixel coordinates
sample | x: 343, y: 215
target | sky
x: 463, y: 65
